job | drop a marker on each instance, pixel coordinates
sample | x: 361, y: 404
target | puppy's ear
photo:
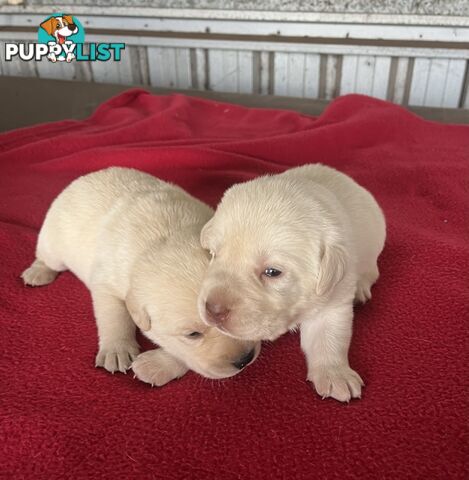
x: 49, y: 25
x: 137, y: 312
x: 205, y: 234
x: 68, y: 19
x: 331, y: 268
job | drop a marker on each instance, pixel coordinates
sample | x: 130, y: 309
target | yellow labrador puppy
x: 295, y: 249
x: 134, y: 242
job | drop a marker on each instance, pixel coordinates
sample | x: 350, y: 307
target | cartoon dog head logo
x: 61, y: 32
x: 60, y: 28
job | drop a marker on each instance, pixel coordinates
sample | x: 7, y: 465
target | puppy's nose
x: 72, y: 26
x: 244, y: 360
x: 217, y: 312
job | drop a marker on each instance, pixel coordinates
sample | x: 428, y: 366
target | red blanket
x: 62, y: 418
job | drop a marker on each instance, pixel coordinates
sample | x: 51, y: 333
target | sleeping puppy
x: 134, y: 242
x: 295, y: 249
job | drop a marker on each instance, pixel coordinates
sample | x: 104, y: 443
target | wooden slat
x: 59, y: 70
x: 143, y: 65
x: 200, y: 59
x: 245, y: 74
x: 349, y: 74
x: 280, y: 73
x: 169, y: 67
x: 364, y: 75
x: 183, y: 68
x: 454, y: 83
x: 436, y: 84
x: 381, y: 77
x: 400, y: 80
x: 158, y: 71
x: 419, y: 83
x: 264, y: 73
x: 296, y: 73
x: 16, y: 67
x: 121, y: 72
x: 223, y: 70
x: 311, y: 76
x: 332, y: 75
x: 83, y: 72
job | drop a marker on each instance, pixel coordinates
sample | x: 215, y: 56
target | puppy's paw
x: 117, y: 357
x: 157, y: 368
x: 341, y: 383
x: 363, y: 291
x: 38, y: 274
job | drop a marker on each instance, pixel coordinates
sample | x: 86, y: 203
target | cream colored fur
x: 324, y: 233
x: 134, y: 242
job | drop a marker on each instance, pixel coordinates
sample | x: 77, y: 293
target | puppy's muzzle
x: 245, y: 359
x: 217, y: 313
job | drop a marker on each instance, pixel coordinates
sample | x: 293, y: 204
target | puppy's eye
x: 194, y: 335
x: 272, y: 272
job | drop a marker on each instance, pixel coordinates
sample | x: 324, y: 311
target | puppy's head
x: 163, y: 303
x: 275, y: 254
x: 60, y: 27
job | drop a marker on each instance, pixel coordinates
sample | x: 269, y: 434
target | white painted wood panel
x: 15, y: 67
x: 453, y: 92
x: 225, y: 65
x: 280, y: 73
x: 299, y: 24
x: 324, y: 48
x: 311, y: 76
x: 332, y: 65
x: 245, y: 75
x: 223, y: 70
x: 296, y: 75
x: 121, y: 72
x: 200, y: 60
x: 59, y: 70
x: 183, y: 67
x: 418, y: 87
x: 231, y: 71
x: 264, y: 73
x: 169, y: 67
x: 349, y: 74
x: 381, y: 77
x: 364, y: 75
x: 400, y: 80
x: 436, y: 83
x: 367, y: 75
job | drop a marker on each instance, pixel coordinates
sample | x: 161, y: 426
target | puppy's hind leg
x: 116, y: 329
x: 38, y: 274
x: 364, y: 283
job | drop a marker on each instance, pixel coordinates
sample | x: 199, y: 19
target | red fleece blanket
x: 62, y: 418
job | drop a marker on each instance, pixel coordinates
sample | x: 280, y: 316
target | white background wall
x: 415, y: 59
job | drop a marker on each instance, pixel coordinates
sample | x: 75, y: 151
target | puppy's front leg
x: 157, y: 367
x: 116, y: 329
x: 325, y: 340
